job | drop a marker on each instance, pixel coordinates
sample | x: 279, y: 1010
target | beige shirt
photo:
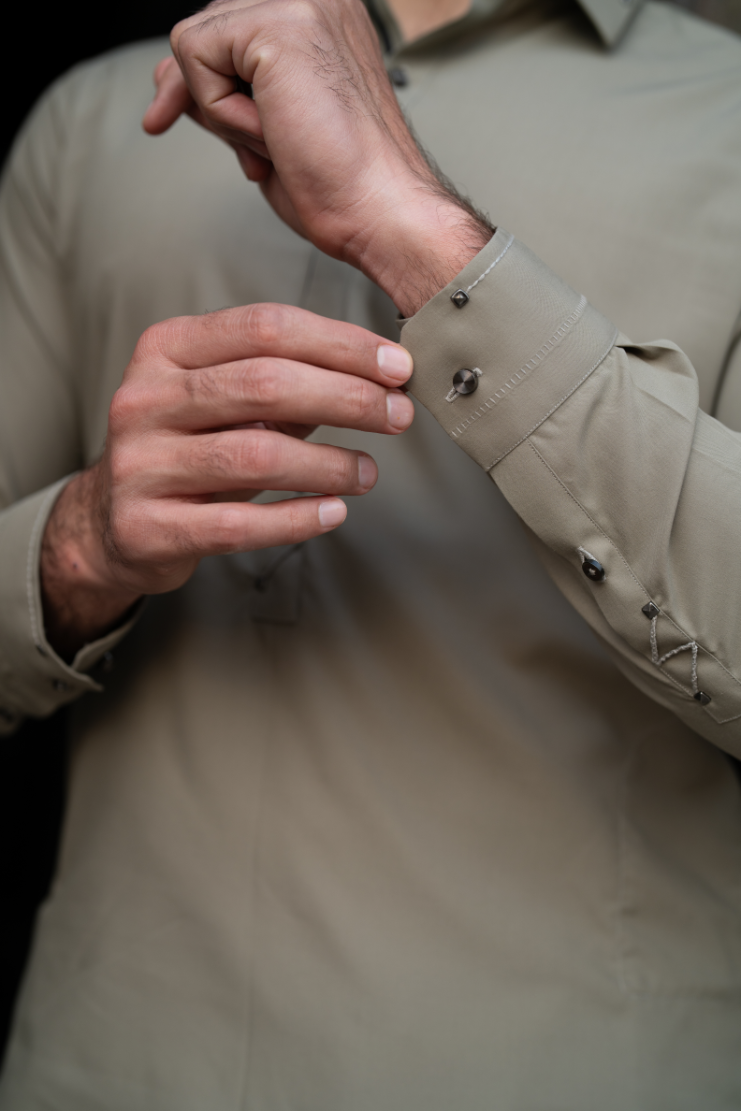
x: 431, y: 820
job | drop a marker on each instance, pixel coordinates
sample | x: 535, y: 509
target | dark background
x: 32, y: 762
x: 57, y: 36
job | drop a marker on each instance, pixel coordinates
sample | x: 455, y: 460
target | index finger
x: 282, y: 331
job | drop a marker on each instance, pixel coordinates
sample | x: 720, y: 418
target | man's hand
x: 211, y: 410
x: 324, y: 136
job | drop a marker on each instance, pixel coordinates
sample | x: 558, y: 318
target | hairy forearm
x: 78, y: 606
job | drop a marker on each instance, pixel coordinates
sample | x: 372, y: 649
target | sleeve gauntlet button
x: 702, y: 698
x: 594, y: 570
x: 465, y: 381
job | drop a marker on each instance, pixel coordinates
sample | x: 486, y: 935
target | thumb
x: 171, y: 99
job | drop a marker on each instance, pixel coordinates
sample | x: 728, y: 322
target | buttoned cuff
x: 526, y: 339
x: 33, y: 679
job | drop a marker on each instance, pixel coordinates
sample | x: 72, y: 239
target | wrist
x: 420, y: 244
x: 81, y: 600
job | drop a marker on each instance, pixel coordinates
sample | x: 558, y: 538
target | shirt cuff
x: 33, y: 678
x: 526, y: 339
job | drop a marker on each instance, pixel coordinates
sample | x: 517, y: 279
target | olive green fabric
x: 551, y: 375
x: 423, y: 823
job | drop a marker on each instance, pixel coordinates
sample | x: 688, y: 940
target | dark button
x: 399, y: 77
x: 41, y: 651
x: 465, y: 381
x: 459, y: 298
x: 702, y: 698
x: 60, y: 685
x: 593, y: 569
x: 650, y: 609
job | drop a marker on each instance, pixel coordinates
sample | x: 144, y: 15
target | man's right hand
x: 324, y: 136
x: 211, y: 410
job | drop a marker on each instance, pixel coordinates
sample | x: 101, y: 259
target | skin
x: 215, y: 408
x: 324, y: 136
x: 416, y: 18
x: 211, y: 410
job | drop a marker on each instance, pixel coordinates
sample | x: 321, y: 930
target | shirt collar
x: 610, y: 19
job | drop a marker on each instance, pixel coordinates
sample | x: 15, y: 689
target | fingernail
x: 366, y: 472
x: 395, y: 362
x: 332, y: 513
x: 399, y: 410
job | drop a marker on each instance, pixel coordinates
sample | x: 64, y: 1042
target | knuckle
x: 228, y: 532
x: 248, y: 455
x: 365, y: 399
x: 305, y: 11
x: 137, y: 406
x: 150, y: 342
x: 342, y: 470
x: 257, y: 454
x: 124, y: 409
x: 201, y: 384
x: 264, y: 383
x: 296, y: 521
x: 266, y: 324
x: 209, y: 456
x: 159, y: 339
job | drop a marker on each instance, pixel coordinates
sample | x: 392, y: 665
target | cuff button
x: 702, y: 698
x: 465, y: 381
x: 459, y: 298
x: 594, y: 570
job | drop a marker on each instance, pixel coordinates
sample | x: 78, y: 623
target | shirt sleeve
x: 39, y: 414
x: 630, y: 492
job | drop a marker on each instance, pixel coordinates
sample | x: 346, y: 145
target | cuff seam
x: 551, y: 411
x: 532, y: 364
x: 489, y: 268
